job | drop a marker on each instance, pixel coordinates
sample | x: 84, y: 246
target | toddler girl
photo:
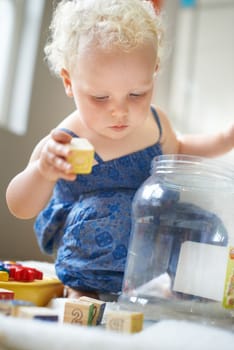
x: 107, y: 54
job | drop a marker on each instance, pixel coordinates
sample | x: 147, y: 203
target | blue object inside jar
x: 161, y: 225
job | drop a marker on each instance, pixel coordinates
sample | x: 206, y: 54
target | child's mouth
x: 119, y: 127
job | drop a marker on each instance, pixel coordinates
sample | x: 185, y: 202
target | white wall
x: 202, y: 80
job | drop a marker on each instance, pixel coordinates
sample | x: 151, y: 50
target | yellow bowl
x: 39, y: 292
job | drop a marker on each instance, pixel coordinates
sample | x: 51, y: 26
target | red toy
x: 20, y: 273
x: 6, y: 294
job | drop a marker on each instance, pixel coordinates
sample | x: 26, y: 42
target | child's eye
x: 136, y: 95
x: 100, y: 98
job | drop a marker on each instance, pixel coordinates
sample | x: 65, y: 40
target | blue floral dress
x: 87, y: 223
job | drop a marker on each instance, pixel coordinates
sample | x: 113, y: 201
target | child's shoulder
x: 72, y: 123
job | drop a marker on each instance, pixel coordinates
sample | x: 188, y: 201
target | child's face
x: 112, y: 91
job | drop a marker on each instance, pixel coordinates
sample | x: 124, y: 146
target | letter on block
x: 124, y: 321
x: 78, y: 311
x: 99, y: 307
x: 82, y: 155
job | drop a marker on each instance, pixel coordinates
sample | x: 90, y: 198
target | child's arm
x: 205, y: 145
x: 208, y: 145
x: 30, y: 190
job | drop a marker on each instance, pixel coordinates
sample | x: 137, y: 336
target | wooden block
x: 6, y: 294
x: 82, y: 155
x: 99, y: 307
x: 5, y: 307
x: 124, y: 321
x: 78, y: 311
x: 11, y: 307
x: 39, y: 313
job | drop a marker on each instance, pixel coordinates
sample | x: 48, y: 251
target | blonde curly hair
x: 108, y: 24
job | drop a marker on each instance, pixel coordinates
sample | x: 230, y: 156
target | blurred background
x: 195, y: 87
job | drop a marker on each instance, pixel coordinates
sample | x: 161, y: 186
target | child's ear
x: 66, y: 82
x: 157, y: 65
x: 156, y: 69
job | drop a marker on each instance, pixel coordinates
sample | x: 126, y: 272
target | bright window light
x: 20, y: 23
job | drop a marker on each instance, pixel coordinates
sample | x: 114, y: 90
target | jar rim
x: 171, y: 162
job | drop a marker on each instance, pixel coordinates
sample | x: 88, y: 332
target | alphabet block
x: 124, y: 321
x: 39, y: 313
x: 99, y: 307
x: 78, y: 311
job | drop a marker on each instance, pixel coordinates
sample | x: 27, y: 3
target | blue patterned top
x: 87, y: 222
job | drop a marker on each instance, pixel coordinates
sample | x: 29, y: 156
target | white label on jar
x: 201, y: 270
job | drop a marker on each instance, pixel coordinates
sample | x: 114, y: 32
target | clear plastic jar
x: 181, y: 255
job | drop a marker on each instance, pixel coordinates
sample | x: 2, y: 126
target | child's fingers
x: 59, y: 163
x: 60, y: 136
x: 68, y: 177
x: 54, y: 155
x: 58, y: 149
x: 54, y: 168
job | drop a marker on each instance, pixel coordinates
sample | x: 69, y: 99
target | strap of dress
x: 156, y: 117
x: 68, y: 131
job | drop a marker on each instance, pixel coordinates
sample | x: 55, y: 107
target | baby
x: 107, y: 55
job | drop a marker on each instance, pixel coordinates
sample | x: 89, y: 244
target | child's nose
x: 120, y: 110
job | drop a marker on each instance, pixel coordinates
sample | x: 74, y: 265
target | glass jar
x: 180, y: 262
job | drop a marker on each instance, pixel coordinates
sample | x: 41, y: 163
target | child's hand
x: 232, y: 134
x: 52, y: 160
x: 229, y: 134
